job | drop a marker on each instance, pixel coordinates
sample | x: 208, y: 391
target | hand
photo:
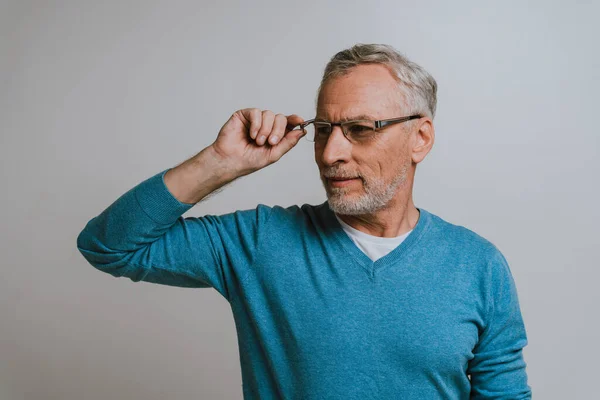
x: 252, y: 139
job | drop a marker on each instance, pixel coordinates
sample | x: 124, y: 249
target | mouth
x: 338, y: 182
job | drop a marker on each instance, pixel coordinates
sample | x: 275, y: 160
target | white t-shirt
x: 374, y: 247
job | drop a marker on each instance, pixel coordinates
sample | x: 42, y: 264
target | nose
x: 336, y: 148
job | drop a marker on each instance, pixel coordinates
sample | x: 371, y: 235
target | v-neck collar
x: 336, y: 230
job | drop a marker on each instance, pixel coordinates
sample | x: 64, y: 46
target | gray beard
x: 376, y: 196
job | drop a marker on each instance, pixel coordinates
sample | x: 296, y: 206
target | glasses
x: 357, y: 131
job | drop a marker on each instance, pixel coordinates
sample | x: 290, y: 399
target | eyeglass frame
x: 380, y: 123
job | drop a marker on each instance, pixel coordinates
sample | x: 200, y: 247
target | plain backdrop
x: 96, y: 97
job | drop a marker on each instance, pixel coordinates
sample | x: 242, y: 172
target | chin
x: 344, y: 204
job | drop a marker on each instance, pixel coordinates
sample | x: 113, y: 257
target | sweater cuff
x: 158, y: 202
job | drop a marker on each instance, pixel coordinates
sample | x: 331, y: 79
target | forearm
x: 201, y: 175
x: 144, y: 213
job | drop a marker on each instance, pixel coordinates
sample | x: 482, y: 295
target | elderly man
x: 364, y: 296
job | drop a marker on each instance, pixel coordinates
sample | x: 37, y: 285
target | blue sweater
x: 436, y: 318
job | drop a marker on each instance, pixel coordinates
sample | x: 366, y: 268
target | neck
x: 397, y: 218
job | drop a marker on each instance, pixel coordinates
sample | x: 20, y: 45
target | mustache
x: 340, y: 174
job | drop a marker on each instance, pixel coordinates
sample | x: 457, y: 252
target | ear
x: 423, y: 139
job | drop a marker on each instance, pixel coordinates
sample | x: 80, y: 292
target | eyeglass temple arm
x: 302, y: 125
x: 382, y: 123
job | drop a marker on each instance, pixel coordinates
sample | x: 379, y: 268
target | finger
x: 287, y: 143
x: 253, y: 115
x: 279, y: 129
x: 266, y: 126
x: 294, y: 120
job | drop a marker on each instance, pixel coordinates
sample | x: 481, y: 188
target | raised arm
x: 143, y: 236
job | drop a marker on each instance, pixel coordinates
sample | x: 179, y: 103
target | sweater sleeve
x: 144, y: 237
x: 498, y: 369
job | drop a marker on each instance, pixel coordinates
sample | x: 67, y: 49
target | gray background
x: 97, y: 96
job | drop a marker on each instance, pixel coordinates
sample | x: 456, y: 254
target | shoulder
x: 277, y: 216
x: 294, y: 211
x: 480, y: 256
x: 265, y: 212
x: 461, y: 239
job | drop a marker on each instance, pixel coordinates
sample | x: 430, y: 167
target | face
x: 380, y: 167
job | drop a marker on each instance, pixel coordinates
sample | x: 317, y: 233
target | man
x: 364, y: 296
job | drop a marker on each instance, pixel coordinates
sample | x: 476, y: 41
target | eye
x: 359, y: 130
x: 322, y: 129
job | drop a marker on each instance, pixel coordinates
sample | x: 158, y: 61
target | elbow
x: 101, y: 257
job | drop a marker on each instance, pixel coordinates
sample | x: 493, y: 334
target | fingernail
x: 274, y: 139
x: 260, y: 139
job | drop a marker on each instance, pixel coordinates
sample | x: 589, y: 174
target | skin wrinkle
x: 380, y: 203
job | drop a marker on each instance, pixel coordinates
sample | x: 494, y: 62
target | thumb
x: 287, y: 143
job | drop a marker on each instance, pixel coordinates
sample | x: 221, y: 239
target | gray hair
x: 417, y: 86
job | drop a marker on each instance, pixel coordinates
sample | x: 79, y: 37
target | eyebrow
x: 354, y: 118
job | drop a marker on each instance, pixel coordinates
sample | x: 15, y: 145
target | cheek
x: 386, y: 163
x: 321, y: 165
x: 384, y: 157
x: 317, y: 152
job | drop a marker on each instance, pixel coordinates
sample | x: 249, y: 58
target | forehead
x: 366, y: 90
